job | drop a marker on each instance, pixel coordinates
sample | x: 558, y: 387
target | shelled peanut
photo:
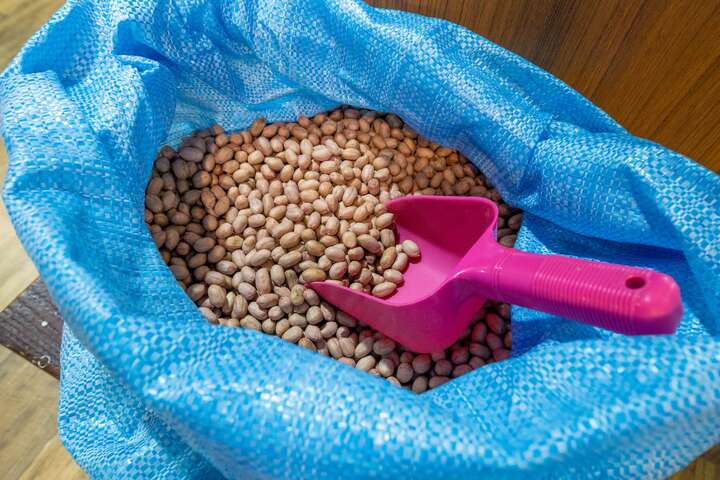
x: 245, y: 219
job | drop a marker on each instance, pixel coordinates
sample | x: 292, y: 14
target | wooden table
x: 598, y: 47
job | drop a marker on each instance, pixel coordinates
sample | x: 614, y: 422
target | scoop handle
x: 628, y: 300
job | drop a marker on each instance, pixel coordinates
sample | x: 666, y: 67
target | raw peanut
x: 365, y: 276
x: 314, y: 315
x: 306, y: 343
x: 411, y: 249
x: 268, y: 326
x: 327, y: 311
x: 277, y: 274
x: 328, y: 240
x: 387, y: 238
x: 479, y: 350
x: 476, y: 362
x: 500, y: 354
x: 347, y: 361
x: 334, y: 349
x: 285, y: 304
x: 515, y: 221
x: 347, y: 345
x: 493, y: 341
x: 384, y: 221
x: 393, y: 276
x: 258, y: 258
x: 443, y: 367
x: 401, y: 262
x: 508, y: 240
x: 495, y: 323
x: 369, y: 243
x: 329, y: 329
x: 313, y: 275
x: 215, y: 278
x: 204, y: 244
x: 291, y: 278
x: 377, y: 279
x: 383, y: 346
x: 356, y: 253
x: 256, y: 311
x: 282, y: 326
x: 250, y: 323
x: 209, y: 315
x: 419, y: 384
x: 296, y: 295
x: 404, y: 372
x: 216, y: 295
x: 263, y: 284
x: 293, y: 334
x: 290, y: 259
x: 248, y: 274
x: 290, y: 240
x: 240, y: 307
x: 312, y: 332
x: 315, y: 248
x: 246, y: 290
x: 459, y: 355
x: 267, y: 243
x: 267, y: 300
x: 479, y: 332
x: 384, y: 289
x: 385, y: 367
x: 226, y: 267
x: 388, y: 258
x: 180, y: 271
x: 349, y: 240
x: 422, y: 364
x: 407, y: 357
x: 256, y: 220
x: 359, y: 228
x: 338, y: 270
x: 363, y: 348
x: 196, y: 291
x: 191, y: 154
x: 436, y: 381
x: 233, y: 243
x: 365, y: 363
x: 336, y: 253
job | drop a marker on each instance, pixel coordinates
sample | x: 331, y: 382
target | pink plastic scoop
x: 462, y: 265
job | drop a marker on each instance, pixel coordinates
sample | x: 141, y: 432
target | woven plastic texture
x: 151, y: 390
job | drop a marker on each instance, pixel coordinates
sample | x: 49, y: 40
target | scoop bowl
x: 462, y: 265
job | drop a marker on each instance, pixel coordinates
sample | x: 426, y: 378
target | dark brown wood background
x: 654, y: 65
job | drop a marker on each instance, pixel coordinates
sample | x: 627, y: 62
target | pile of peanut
x: 244, y: 220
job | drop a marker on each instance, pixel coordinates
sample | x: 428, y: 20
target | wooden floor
x: 18, y: 20
x: 29, y: 445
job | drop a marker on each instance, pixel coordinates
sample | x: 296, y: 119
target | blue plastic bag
x: 151, y: 390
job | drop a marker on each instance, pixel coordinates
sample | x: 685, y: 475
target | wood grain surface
x: 30, y: 448
x: 18, y: 20
x: 16, y: 269
x: 654, y: 65
x: 29, y: 444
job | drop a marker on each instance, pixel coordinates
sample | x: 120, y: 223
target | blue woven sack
x: 151, y: 390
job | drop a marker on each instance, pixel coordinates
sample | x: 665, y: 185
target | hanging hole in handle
x: 635, y: 282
